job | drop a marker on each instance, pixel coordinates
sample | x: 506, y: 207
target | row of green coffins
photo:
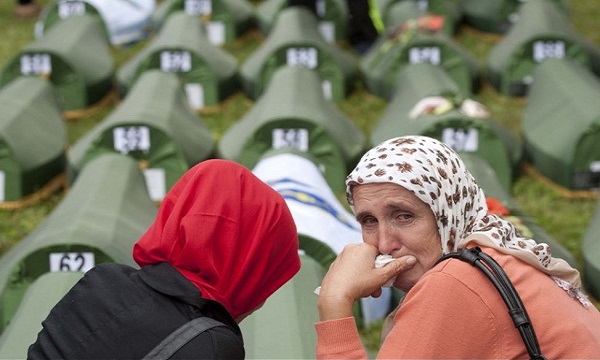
x: 154, y: 125
x: 76, y: 57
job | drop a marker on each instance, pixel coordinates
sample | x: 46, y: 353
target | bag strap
x: 181, y: 336
x: 498, y: 277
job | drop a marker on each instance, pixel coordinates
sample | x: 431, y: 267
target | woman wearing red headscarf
x: 223, y: 241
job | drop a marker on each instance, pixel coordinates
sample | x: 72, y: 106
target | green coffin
x: 125, y: 22
x: 45, y: 292
x: 561, y: 124
x: 461, y: 129
x: 224, y: 20
x: 492, y: 187
x: 56, y: 12
x: 284, y: 327
x: 397, y: 12
x: 590, y: 250
x: 209, y: 73
x: 75, y: 55
x: 495, y: 16
x: 33, y: 138
x: 543, y: 32
x: 331, y: 14
x: 100, y: 218
x: 293, y: 113
x: 154, y: 125
x: 407, y: 44
x: 295, y: 41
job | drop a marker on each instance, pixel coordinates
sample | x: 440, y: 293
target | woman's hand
x: 353, y: 276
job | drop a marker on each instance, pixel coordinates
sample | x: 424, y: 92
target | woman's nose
x: 388, y: 240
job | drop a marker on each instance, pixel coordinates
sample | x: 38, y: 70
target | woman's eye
x: 368, y: 220
x: 404, y: 216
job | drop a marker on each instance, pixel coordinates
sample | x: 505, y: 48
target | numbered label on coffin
x: 543, y: 50
x: 418, y: 55
x: 72, y: 261
x: 131, y: 138
x: 302, y: 56
x: 461, y: 139
x: 175, y: 61
x: 198, y: 7
x: 291, y: 138
x: 2, y: 185
x: 36, y: 64
x: 70, y: 8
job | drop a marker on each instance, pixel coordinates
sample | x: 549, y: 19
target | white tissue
x: 381, y: 261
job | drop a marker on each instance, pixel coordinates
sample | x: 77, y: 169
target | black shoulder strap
x: 498, y: 277
x: 178, y: 338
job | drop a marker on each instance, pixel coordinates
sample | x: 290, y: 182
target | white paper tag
x: 156, y: 183
x: 71, y: 261
x: 216, y: 32
x: 2, y: 185
x: 195, y: 95
x: 461, y: 139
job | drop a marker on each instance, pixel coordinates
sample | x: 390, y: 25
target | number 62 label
x: 71, y: 261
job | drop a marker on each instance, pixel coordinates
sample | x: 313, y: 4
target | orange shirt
x: 454, y: 311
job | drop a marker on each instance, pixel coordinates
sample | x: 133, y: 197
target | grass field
x: 565, y: 219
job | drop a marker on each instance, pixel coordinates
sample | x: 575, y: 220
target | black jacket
x: 118, y: 312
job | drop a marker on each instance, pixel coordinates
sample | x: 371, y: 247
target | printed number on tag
x: 418, y: 55
x: 70, y: 8
x: 71, y: 261
x: 307, y: 57
x: 175, y: 61
x: 198, y: 7
x: 461, y: 139
x: 292, y: 138
x: 132, y: 138
x: 543, y: 50
x: 36, y: 64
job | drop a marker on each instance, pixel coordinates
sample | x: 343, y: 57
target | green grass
x: 565, y: 219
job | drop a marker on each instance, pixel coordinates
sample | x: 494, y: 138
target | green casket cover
x: 331, y: 14
x: 561, y: 124
x: 45, y: 292
x: 98, y: 220
x: 75, y: 55
x: 293, y: 112
x: 154, y: 125
x: 208, y: 72
x: 414, y: 110
x: 495, y: 16
x: 295, y: 41
x: 224, y: 20
x: 410, y: 43
x: 543, y: 32
x: 396, y: 12
x: 283, y: 328
x: 125, y: 22
x: 33, y: 137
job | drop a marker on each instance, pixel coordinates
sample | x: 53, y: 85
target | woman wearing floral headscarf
x: 223, y: 241
x: 415, y: 200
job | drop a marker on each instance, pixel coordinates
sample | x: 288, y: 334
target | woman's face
x: 398, y: 223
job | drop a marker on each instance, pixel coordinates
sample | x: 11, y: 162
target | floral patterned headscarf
x: 437, y: 176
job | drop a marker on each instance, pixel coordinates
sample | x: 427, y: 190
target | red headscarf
x: 226, y: 231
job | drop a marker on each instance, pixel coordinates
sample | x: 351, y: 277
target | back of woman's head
x: 228, y: 232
